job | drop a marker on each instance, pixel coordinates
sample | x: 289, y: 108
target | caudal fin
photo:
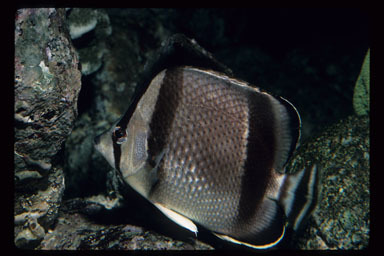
x: 299, y: 195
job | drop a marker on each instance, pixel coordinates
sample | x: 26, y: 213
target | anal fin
x: 263, y: 246
x: 177, y: 218
x: 265, y: 229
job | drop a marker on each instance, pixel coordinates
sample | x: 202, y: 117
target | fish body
x: 209, y: 149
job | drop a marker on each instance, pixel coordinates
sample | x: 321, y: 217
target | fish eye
x: 120, y: 135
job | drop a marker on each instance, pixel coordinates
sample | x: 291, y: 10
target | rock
x: 47, y: 84
x: 93, y: 24
x: 341, y: 219
x: 75, y: 231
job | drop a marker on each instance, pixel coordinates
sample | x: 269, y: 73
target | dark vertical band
x: 260, y: 155
x: 165, y: 111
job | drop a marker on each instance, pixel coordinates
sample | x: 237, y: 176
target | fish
x: 210, y: 150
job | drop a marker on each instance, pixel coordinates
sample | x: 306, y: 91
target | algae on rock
x: 361, y: 92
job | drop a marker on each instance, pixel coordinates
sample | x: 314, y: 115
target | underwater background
x: 76, y: 70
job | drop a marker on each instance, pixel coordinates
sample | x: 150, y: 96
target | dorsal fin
x: 287, y: 130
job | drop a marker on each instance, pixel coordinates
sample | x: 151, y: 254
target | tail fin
x: 299, y: 195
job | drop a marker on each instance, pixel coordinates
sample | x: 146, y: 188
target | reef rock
x: 342, y: 215
x: 47, y: 84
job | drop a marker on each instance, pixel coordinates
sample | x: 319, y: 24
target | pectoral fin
x: 178, y: 218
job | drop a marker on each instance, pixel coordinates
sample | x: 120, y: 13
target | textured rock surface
x: 341, y: 219
x: 94, y: 25
x: 47, y: 84
x: 75, y: 231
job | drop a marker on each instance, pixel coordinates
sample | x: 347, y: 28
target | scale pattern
x: 204, y: 122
